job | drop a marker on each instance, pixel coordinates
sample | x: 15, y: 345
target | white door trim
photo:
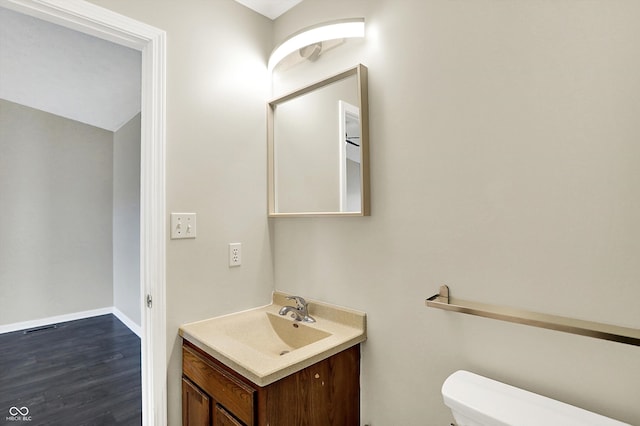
x: 151, y: 42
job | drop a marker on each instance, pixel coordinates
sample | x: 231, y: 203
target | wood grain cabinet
x: 324, y: 394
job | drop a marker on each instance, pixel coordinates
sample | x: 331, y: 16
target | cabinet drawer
x: 223, y: 388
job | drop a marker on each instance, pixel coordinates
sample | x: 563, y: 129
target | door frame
x: 151, y: 42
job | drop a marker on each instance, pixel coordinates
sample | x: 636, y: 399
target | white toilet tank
x: 479, y: 401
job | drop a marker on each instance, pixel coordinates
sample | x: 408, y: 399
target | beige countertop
x: 264, y: 346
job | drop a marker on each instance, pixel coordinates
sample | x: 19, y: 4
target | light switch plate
x: 183, y: 225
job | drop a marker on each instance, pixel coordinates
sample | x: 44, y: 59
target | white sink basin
x: 264, y: 346
x: 272, y: 334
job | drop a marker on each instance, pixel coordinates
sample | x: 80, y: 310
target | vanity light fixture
x: 344, y: 28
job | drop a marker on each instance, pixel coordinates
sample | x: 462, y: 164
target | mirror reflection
x: 318, y: 152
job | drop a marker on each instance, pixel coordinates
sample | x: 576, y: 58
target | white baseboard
x: 25, y: 325
x: 131, y: 325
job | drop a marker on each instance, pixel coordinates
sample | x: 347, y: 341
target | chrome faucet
x: 298, y: 312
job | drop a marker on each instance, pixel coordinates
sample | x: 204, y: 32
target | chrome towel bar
x: 442, y: 300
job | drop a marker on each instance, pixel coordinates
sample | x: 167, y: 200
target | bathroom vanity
x: 262, y: 368
x: 326, y: 393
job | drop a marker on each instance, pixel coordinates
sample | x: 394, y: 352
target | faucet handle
x: 300, y: 302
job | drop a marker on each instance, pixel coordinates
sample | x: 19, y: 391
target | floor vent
x: 43, y: 328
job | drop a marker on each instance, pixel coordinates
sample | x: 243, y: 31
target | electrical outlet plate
x: 183, y: 225
x: 235, y: 254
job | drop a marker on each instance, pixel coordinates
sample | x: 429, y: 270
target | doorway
x: 93, y: 20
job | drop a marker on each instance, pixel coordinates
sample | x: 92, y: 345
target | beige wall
x: 502, y: 149
x: 55, y: 204
x: 504, y: 155
x: 216, y: 159
x: 126, y: 219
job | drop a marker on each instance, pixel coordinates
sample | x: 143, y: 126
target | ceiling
x: 67, y: 73
x: 73, y: 75
x: 270, y: 8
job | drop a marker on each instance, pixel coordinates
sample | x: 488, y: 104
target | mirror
x: 318, y: 148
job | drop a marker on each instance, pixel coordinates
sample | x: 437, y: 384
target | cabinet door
x: 196, y: 405
x: 222, y: 418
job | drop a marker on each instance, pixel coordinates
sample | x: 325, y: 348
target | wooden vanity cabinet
x: 324, y: 394
x: 222, y: 417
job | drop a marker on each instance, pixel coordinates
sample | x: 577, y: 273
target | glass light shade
x: 347, y: 28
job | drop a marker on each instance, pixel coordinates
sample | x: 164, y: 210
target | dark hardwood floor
x: 84, y: 372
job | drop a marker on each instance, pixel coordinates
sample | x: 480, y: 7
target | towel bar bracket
x: 442, y: 296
